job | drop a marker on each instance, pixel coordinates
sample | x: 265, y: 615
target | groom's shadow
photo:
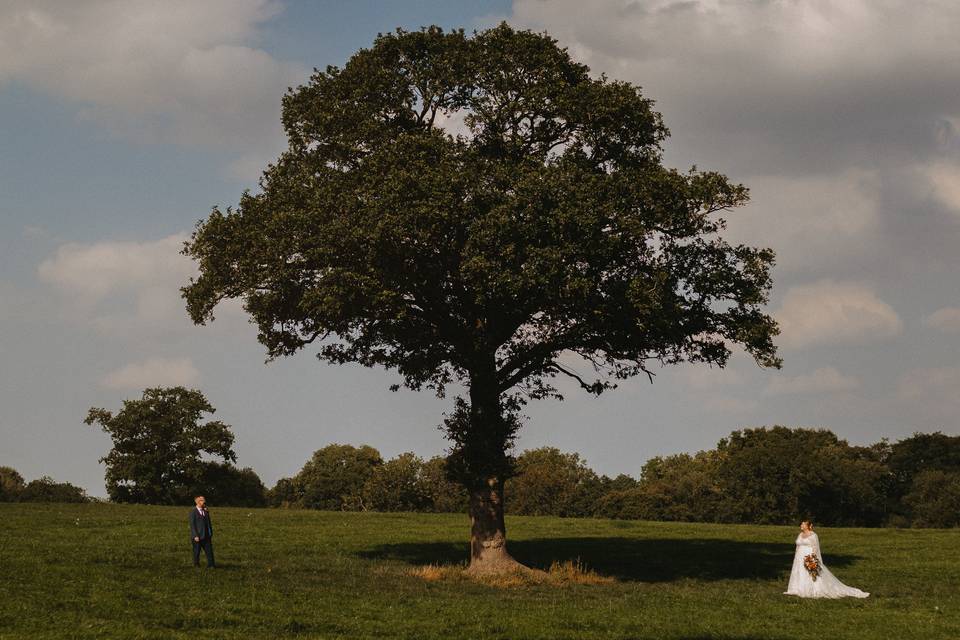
x: 632, y: 559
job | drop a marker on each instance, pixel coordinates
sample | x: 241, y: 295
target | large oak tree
x: 482, y: 210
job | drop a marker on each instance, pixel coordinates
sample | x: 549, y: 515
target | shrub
x: 45, y: 489
x: 285, y: 494
x: 11, y: 484
x: 934, y: 499
x: 227, y: 486
x: 549, y: 482
x: 397, y: 485
x: 334, y: 477
x: 445, y: 495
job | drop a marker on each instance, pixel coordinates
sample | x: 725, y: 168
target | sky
x: 122, y: 122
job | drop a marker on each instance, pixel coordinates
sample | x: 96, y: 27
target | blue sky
x: 122, y: 123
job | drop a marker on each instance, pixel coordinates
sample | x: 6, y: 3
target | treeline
x: 779, y: 475
x: 342, y: 477
x: 13, y: 488
x: 163, y: 453
x: 772, y: 475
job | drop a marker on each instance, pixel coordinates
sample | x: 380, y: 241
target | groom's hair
x: 195, y: 498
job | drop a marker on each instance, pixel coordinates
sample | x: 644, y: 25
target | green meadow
x: 124, y: 571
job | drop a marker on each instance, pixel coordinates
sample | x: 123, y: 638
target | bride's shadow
x: 631, y: 559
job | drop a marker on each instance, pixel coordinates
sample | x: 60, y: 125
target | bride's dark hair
x: 808, y: 522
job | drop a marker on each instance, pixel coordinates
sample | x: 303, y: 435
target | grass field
x: 119, y: 571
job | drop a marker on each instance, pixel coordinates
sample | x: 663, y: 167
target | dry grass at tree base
x: 569, y: 572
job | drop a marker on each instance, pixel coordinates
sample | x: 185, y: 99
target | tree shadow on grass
x: 631, y: 559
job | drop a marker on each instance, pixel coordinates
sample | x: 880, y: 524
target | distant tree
x: 682, y: 487
x: 11, y: 484
x: 158, y: 445
x: 46, y: 489
x: 550, y: 482
x: 397, y: 485
x: 844, y: 486
x: 672, y: 488
x: 934, y: 499
x: 761, y: 470
x: 226, y: 485
x: 334, y: 477
x: 911, y: 456
x: 285, y: 493
x: 445, y: 495
x: 549, y: 227
x: 922, y: 452
x: 620, y: 483
x: 780, y: 475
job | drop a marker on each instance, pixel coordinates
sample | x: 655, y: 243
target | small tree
x: 912, y: 456
x: 334, y: 477
x: 778, y: 475
x: 285, y: 494
x: 544, y: 234
x: 225, y: 485
x: 446, y: 495
x: 622, y: 482
x: 46, y: 489
x: 397, y: 485
x: 11, y: 484
x: 550, y: 482
x: 934, y: 499
x: 158, y: 444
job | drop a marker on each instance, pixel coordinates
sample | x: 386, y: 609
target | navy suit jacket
x: 200, y: 527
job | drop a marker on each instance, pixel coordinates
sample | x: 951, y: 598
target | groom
x: 201, y: 532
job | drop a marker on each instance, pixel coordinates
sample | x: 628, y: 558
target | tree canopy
x: 484, y: 210
x: 11, y: 484
x: 333, y: 478
x: 46, y: 489
x: 158, y: 445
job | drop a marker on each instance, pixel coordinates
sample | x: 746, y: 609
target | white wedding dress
x: 826, y: 585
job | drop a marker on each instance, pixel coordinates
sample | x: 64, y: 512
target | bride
x: 825, y: 585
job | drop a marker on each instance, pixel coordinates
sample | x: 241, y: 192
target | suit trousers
x: 207, y: 545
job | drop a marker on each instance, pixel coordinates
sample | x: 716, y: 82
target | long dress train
x: 826, y: 585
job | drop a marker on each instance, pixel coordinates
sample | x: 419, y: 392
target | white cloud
x: 944, y: 179
x: 96, y: 270
x: 750, y: 41
x: 153, y: 372
x: 798, y: 91
x: 123, y: 287
x: 932, y: 391
x: 946, y: 320
x: 824, y: 109
x: 808, y: 219
x: 174, y: 71
x: 822, y: 380
x: 127, y: 287
x: 829, y: 312
x: 728, y: 404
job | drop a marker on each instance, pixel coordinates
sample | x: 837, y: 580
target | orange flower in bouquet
x: 812, y: 565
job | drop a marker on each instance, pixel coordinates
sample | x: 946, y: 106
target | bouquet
x: 812, y: 565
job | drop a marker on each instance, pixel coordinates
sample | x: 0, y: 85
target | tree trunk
x: 483, y: 447
x: 488, y: 534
